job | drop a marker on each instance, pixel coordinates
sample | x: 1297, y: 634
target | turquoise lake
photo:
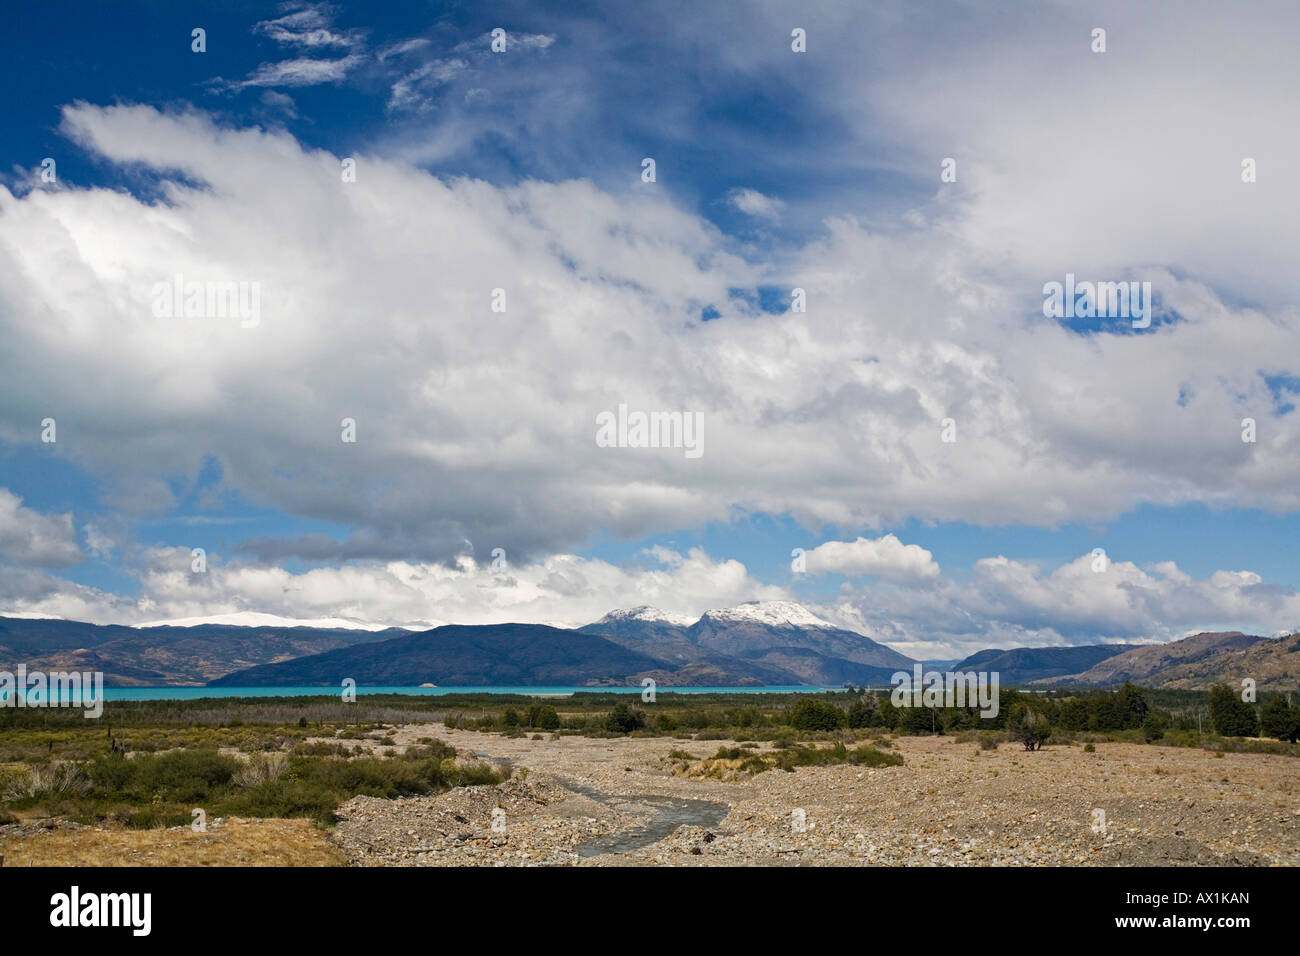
x: 196, y: 693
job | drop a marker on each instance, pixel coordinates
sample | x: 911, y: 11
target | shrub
x: 320, y: 748
x: 1028, y: 726
x: 867, y: 756
x: 182, y: 776
x: 260, y: 768
x: 61, y: 778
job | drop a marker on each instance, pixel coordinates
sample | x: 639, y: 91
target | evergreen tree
x: 1230, y: 715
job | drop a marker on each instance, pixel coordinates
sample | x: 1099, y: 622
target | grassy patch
x: 148, y: 789
x: 737, y: 761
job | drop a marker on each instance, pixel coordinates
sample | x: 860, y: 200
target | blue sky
x: 775, y: 170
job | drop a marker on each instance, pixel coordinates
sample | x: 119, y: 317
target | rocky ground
x: 593, y: 802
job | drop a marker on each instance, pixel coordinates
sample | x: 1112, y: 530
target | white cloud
x: 469, y: 431
x: 562, y: 590
x: 753, y: 203
x: 413, y: 90
x: 1003, y: 603
x: 311, y: 26
x: 31, y: 538
x: 302, y: 71
x: 1007, y: 603
x: 885, y: 557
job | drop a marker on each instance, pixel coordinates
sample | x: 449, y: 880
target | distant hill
x: 503, y: 654
x: 1198, y: 661
x: 1272, y: 664
x: 142, y: 656
x: 1140, y: 664
x: 1021, y: 665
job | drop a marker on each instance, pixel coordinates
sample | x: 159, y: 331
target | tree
x: 1154, y: 726
x: 810, y: 714
x: 1131, y: 704
x: 1028, y: 726
x: 865, y: 711
x: 624, y: 719
x: 916, y: 721
x: 1277, y: 718
x: 1230, y: 715
x: 543, y: 716
x: 1074, y: 714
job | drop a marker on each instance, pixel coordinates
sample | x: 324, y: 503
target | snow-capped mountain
x: 788, y: 635
x: 769, y: 613
x: 776, y: 641
x: 648, y: 614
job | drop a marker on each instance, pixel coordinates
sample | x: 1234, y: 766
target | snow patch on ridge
x: 771, y: 613
x: 647, y: 613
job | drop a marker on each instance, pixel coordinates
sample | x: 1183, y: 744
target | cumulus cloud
x: 884, y: 557
x: 466, y: 429
x: 563, y: 590
x: 31, y: 538
x: 1003, y: 603
x: 1008, y: 603
x: 476, y: 425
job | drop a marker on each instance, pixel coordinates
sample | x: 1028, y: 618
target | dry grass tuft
x: 235, y: 842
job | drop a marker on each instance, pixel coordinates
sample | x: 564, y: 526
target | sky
x: 460, y: 251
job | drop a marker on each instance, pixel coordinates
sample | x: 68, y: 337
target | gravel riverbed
x: 576, y: 801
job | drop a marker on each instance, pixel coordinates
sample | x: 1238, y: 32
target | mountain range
x: 1198, y: 661
x: 163, y: 655
x: 758, y: 643
x: 769, y: 643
